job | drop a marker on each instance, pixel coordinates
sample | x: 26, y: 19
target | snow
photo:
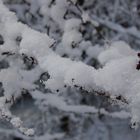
x: 95, y: 52
x: 35, y: 43
x: 70, y: 37
x: 117, y: 77
x: 117, y: 50
x: 72, y: 24
x: 11, y: 82
x: 16, y: 122
x: 58, y: 12
x: 80, y: 75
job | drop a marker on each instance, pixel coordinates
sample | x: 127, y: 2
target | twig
x: 132, y: 31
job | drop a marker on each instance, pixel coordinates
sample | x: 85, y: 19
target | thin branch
x: 132, y: 31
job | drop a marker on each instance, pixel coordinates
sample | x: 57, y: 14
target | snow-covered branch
x: 132, y: 31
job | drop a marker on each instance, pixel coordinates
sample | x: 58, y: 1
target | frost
x: 16, y: 122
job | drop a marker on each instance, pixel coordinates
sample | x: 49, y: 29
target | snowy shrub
x: 50, y: 52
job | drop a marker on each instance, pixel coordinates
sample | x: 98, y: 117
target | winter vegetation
x: 68, y: 68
